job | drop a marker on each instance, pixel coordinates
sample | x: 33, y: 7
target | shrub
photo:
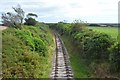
x: 115, y: 57
x: 40, y: 46
x: 30, y: 21
x: 96, y: 46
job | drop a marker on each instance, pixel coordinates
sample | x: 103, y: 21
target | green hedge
x: 92, y: 46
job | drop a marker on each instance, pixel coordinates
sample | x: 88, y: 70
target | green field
x: 112, y: 31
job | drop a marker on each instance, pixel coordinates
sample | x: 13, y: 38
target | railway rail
x: 61, y: 68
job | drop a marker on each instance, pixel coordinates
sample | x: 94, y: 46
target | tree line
x: 16, y: 19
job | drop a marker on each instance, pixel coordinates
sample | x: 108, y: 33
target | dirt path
x: 3, y: 27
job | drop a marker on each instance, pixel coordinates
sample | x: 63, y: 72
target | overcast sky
x: 92, y: 11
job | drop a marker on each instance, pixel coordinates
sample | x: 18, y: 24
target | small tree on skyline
x: 30, y: 20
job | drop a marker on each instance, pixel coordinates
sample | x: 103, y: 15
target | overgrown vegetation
x: 100, y: 51
x: 115, y: 58
x: 77, y: 63
x: 27, y: 52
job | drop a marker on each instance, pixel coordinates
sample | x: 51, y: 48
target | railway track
x: 61, y: 68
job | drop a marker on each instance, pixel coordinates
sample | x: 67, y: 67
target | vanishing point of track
x: 61, y: 68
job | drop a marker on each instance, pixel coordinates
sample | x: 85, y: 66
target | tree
x: 77, y: 25
x: 8, y: 19
x: 20, y: 13
x: 12, y: 19
x: 31, y: 14
x: 30, y: 20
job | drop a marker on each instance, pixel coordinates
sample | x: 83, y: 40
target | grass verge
x: 81, y: 70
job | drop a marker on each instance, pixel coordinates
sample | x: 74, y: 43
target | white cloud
x: 55, y: 10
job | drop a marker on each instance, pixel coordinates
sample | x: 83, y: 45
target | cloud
x: 56, y: 10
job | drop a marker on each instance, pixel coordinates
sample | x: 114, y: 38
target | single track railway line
x: 61, y: 68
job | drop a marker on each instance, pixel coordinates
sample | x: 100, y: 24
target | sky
x: 52, y: 11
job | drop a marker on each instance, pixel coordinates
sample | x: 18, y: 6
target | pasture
x: 112, y: 31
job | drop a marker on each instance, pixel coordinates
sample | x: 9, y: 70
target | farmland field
x: 112, y: 31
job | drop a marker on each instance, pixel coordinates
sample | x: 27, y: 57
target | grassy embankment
x: 27, y: 52
x: 80, y: 69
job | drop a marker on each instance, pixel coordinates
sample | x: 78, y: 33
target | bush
x: 30, y: 21
x: 93, y: 46
x: 115, y: 57
x: 40, y: 46
x: 96, y: 46
x: 77, y: 27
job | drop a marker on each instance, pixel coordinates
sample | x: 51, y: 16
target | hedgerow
x: 93, y: 46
